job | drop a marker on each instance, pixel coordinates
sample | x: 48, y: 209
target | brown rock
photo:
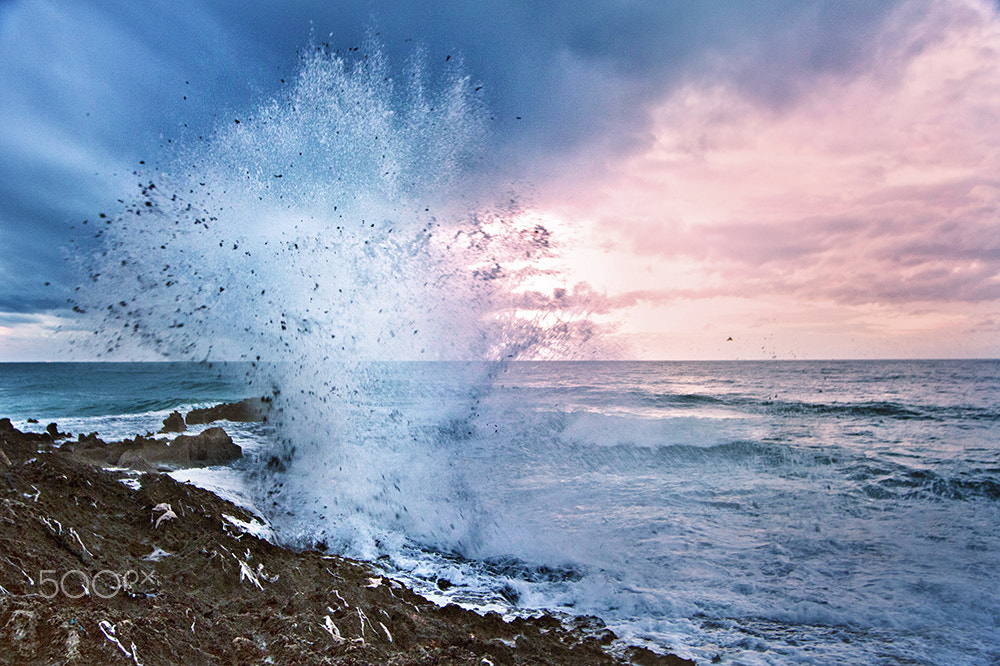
x: 20, y: 446
x: 90, y: 449
x: 640, y: 656
x: 21, y: 629
x: 53, y: 430
x: 137, y: 459
x: 248, y: 410
x: 90, y: 440
x: 173, y: 423
x: 211, y: 447
x: 147, y: 454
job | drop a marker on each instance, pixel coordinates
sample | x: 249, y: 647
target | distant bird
x: 729, y: 339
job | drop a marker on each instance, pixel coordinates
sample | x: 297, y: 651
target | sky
x: 730, y: 180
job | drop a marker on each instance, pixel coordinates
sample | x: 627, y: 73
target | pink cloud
x: 879, y: 186
x: 871, y: 194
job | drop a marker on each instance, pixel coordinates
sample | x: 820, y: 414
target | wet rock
x: 244, y: 411
x: 20, y: 446
x: 88, y: 448
x: 137, y: 459
x: 211, y: 447
x: 641, y: 656
x: 53, y: 430
x: 173, y: 423
x: 93, y: 450
x: 148, y: 454
x: 90, y: 440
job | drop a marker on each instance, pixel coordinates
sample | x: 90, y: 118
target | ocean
x: 731, y: 512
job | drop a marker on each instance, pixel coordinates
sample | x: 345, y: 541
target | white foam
x: 253, y: 527
x: 226, y: 482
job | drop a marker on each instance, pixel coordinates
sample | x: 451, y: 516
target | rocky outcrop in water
x: 53, y: 430
x: 173, y: 423
x: 248, y: 410
x: 211, y: 447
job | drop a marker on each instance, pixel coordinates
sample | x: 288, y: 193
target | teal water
x: 59, y: 390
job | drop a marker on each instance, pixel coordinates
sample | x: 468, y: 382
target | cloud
x: 878, y: 185
x: 111, y: 79
x: 28, y: 337
x: 814, y: 148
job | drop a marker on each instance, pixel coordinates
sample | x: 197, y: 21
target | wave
x: 875, y: 408
x: 675, y: 399
x: 882, y: 409
x: 336, y: 226
x: 745, y: 403
x: 882, y: 480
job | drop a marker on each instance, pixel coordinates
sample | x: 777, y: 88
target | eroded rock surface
x: 210, y: 447
x: 248, y: 410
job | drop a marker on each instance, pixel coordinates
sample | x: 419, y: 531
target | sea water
x: 742, y: 512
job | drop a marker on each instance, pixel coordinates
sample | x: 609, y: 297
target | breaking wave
x: 331, y: 229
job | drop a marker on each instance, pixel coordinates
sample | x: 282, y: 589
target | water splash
x: 323, y: 234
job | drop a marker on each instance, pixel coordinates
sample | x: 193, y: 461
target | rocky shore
x: 133, y: 567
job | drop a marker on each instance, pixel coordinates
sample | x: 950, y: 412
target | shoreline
x: 104, y: 566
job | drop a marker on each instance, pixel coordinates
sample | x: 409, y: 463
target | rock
x: 211, y: 447
x: 95, y: 451
x: 86, y: 446
x: 640, y: 656
x: 148, y: 454
x: 20, y: 446
x: 22, y: 632
x: 244, y: 411
x: 173, y: 423
x: 136, y: 459
x: 54, y: 433
x: 245, y: 650
x: 90, y: 440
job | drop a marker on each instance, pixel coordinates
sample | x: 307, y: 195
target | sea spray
x: 326, y: 237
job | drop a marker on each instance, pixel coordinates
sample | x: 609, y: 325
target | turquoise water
x: 58, y: 390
